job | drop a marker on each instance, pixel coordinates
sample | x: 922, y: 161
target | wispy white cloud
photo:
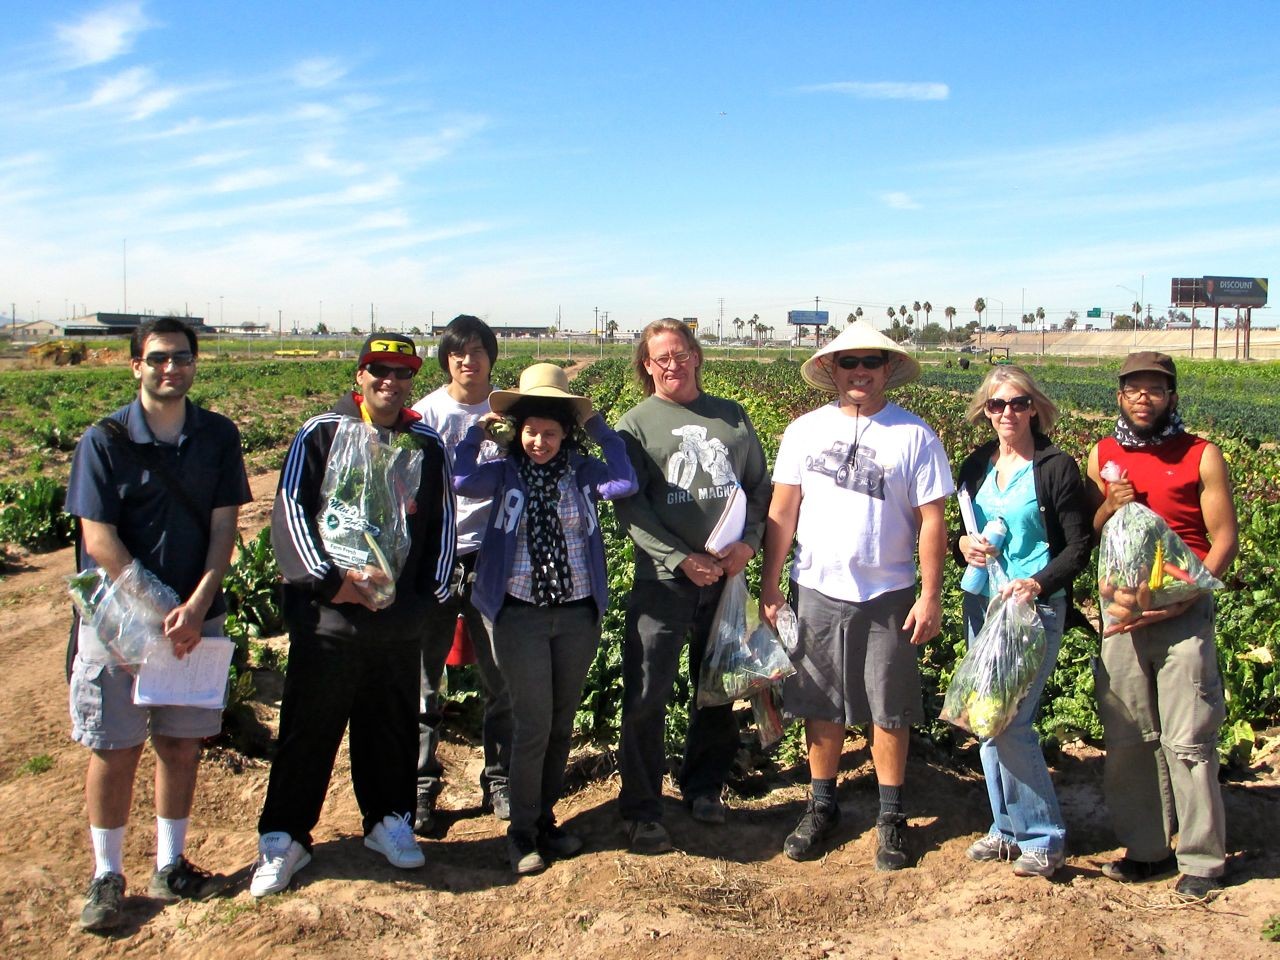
x: 883, y: 90
x: 102, y: 35
x: 897, y: 200
x: 134, y: 91
x: 253, y: 179
x: 317, y: 72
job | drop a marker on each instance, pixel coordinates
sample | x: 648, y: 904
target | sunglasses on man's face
x: 853, y: 363
x: 382, y: 371
x: 995, y: 406
x: 159, y: 360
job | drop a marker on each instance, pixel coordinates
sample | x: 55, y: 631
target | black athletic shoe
x: 891, y: 845
x: 1126, y: 870
x: 522, y: 849
x: 424, y: 814
x: 1191, y: 888
x: 807, y: 840
x: 183, y: 880
x: 102, y: 908
x: 558, y: 842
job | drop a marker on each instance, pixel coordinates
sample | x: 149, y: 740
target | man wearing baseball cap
x: 1160, y: 695
x: 859, y: 485
x: 353, y: 659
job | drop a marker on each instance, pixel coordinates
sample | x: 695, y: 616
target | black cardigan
x: 1067, y: 525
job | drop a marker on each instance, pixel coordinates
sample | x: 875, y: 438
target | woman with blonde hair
x: 1021, y: 478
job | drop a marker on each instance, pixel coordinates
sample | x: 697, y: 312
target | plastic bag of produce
x: 994, y: 675
x: 1143, y: 565
x: 128, y: 614
x: 766, y: 707
x: 739, y: 660
x: 366, y: 494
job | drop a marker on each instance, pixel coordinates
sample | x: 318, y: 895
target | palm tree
x: 1137, y: 314
x: 916, y: 308
x: 858, y: 313
x: 902, y: 312
x: 1069, y: 323
x: 951, y: 316
x: 927, y: 307
x: 755, y: 326
x: 611, y: 329
x: 737, y: 325
x: 891, y: 313
x: 979, y: 305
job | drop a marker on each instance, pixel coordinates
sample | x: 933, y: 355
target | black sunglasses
x: 383, y: 370
x: 158, y: 360
x: 1016, y: 404
x: 853, y: 363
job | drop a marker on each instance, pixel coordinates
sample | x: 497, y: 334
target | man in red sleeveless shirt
x: 1159, y: 691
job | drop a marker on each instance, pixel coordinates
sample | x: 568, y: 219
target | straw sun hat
x: 861, y: 335
x: 545, y: 381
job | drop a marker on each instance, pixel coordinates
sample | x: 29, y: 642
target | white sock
x: 108, y: 850
x: 171, y: 840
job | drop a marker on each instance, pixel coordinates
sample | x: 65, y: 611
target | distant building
x: 33, y: 331
x: 116, y: 325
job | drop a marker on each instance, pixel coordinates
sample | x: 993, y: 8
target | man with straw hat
x: 859, y: 485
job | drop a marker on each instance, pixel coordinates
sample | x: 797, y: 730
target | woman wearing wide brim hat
x: 544, y: 381
x: 860, y: 335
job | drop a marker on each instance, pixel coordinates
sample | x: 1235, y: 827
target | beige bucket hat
x: 545, y: 381
x: 860, y: 335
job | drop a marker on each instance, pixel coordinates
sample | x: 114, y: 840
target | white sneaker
x: 279, y: 858
x: 393, y: 838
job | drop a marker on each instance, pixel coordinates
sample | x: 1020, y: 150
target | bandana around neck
x: 549, y: 556
x: 1126, y: 437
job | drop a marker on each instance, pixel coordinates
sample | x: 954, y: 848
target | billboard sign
x: 691, y: 323
x: 1188, y: 292
x: 808, y: 318
x: 1235, y: 291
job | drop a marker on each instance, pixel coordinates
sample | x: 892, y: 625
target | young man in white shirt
x: 467, y: 352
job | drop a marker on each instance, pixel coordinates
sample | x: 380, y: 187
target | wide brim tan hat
x: 545, y: 381
x: 861, y: 335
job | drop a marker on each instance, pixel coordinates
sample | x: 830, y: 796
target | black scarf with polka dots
x: 544, y: 536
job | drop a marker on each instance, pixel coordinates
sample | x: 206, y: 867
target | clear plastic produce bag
x: 766, y: 708
x: 994, y: 675
x: 1143, y: 565
x: 365, y: 496
x: 739, y: 659
x: 127, y: 615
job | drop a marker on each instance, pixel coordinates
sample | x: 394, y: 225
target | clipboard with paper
x: 733, y: 521
x: 197, y: 680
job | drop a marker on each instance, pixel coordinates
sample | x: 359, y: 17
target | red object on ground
x: 462, y: 653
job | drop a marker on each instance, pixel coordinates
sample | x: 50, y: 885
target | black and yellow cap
x: 390, y: 348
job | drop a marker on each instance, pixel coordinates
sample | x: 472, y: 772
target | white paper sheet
x: 733, y: 521
x: 197, y: 680
x: 966, y: 512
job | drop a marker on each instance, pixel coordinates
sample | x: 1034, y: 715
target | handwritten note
x: 197, y: 680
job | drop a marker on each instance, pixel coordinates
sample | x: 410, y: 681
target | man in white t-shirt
x: 467, y: 352
x: 859, y: 485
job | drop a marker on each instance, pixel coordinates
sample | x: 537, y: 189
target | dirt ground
x: 728, y: 892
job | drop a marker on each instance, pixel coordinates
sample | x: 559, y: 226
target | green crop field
x: 43, y: 413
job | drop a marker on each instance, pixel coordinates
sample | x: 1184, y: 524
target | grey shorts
x: 854, y: 664
x: 104, y: 716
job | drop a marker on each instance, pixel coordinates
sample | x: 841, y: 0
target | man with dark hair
x: 352, y: 657
x: 158, y: 483
x: 467, y: 352
x: 1160, y: 695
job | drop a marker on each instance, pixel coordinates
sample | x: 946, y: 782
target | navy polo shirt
x: 111, y: 485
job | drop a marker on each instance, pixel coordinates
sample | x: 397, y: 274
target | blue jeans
x: 1023, y: 801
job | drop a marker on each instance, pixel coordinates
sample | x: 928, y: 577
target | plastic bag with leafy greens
x: 1143, y: 565
x: 739, y: 659
x: 365, y: 501
x: 128, y: 614
x: 997, y: 669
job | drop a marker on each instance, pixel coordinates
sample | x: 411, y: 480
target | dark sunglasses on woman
x: 1016, y: 404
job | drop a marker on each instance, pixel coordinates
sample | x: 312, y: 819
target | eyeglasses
x: 853, y: 363
x: 1151, y: 393
x: 158, y: 360
x: 672, y: 359
x: 381, y: 371
x: 995, y: 405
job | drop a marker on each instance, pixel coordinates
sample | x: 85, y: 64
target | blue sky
x: 304, y: 160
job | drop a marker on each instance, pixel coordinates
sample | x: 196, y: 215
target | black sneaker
x: 1126, y: 870
x: 102, y: 910
x: 522, y: 848
x: 424, y: 814
x: 708, y: 808
x: 183, y: 880
x: 499, y: 801
x: 891, y: 846
x: 1191, y: 888
x: 558, y: 842
x: 806, y: 841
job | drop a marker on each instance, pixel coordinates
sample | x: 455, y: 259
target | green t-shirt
x: 689, y: 459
